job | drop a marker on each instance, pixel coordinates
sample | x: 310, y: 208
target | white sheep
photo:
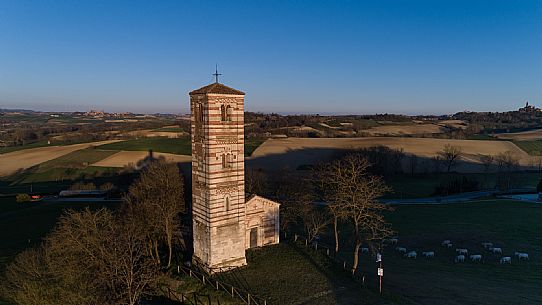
x: 460, y: 258
x: 401, y: 249
x: 411, y: 254
x: 476, y: 257
x: 445, y: 242
x: 506, y: 260
x: 496, y: 250
x: 428, y: 254
x: 462, y: 251
x: 364, y: 250
x: 522, y: 256
x: 487, y: 245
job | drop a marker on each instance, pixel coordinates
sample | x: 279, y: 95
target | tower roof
x: 217, y: 88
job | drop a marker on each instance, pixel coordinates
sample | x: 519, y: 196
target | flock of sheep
x: 461, y: 253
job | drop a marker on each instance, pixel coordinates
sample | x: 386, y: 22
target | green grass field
x: 170, y: 129
x: 423, y: 185
x: 180, y: 146
x: 75, y: 165
x: 514, y: 226
x: 5, y: 150
x: 531, y: 147
x: 23, y: 225
x: 291, y: 274
x: 251, y: 145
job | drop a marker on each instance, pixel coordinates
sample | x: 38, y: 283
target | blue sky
x: 288, y: 56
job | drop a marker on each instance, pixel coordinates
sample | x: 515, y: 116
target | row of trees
x: 101, y: 256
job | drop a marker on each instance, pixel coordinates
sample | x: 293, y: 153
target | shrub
x: 23, y: 198
x: 81, y: 186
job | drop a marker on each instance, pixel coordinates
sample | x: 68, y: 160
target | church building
x: 225, y: 223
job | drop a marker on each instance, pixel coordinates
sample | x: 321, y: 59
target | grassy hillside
x: 180, y: 146
x: 514, y: 226
x: 531, y: 147
x: 75, y: 165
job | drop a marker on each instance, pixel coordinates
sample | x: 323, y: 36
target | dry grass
x: 23, y: 159
x: 529, y: 135
x: 411, y: 129
x: 123, y: 158
x: 309, y: 150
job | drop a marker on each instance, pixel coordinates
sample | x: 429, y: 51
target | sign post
x: 380, y: 271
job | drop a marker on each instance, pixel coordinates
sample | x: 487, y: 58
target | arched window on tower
x: 227, y: 160
x: 227, y: 203
x: 197, y: 117
x: 222, y: 113
x: 229, y: 113
x: 201, y: 113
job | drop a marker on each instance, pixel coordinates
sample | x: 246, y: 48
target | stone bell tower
x: 218, y: 177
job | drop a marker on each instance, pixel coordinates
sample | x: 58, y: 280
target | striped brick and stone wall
x: 218, y: 194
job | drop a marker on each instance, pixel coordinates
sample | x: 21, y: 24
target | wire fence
x: 190, y: 298
x: 363, y: 278
x: 235, y: 292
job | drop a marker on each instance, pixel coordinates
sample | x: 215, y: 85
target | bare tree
x: 326, y: 177
x: 507, y: 162
x: 255, y: 181
x: 159, y: 192
x: 413, y: 164
x: 315, y: 220
x: 357, y: 193
x: 90, y: 258
x: 28, y: 281
x: 487, y: 162
x: 450, y: 154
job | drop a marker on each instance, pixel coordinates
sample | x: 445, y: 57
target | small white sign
x: 380, y: 272
x: 378, y: 257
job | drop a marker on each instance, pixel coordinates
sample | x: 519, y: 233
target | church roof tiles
x: 217, y: 88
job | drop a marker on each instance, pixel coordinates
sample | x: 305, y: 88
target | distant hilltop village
x: 101, y: 113
x: 529, y: 108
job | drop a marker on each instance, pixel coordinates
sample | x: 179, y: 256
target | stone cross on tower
x: 218, y: 177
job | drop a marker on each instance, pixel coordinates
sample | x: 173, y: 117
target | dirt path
x: 23, y: 159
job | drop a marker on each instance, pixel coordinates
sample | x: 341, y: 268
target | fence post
x: 327, y: 252
x: 264, y: 302
x: 190, y: 272
x: 295, y: 237
x: 203, y: 279
x: 344, y: 265
x: 248, y: 298
x: 316, y: 246
x: 216, y: 285
x: 232, y: 291
x: 178, y: 269
x: 306, y: 242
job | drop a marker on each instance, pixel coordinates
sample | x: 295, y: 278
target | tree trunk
x: 169, y: 244
x: 156, y: 252
x: 335, y: 223
x: 356, y: 256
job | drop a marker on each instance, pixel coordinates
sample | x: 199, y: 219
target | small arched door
x: 254, y: 237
